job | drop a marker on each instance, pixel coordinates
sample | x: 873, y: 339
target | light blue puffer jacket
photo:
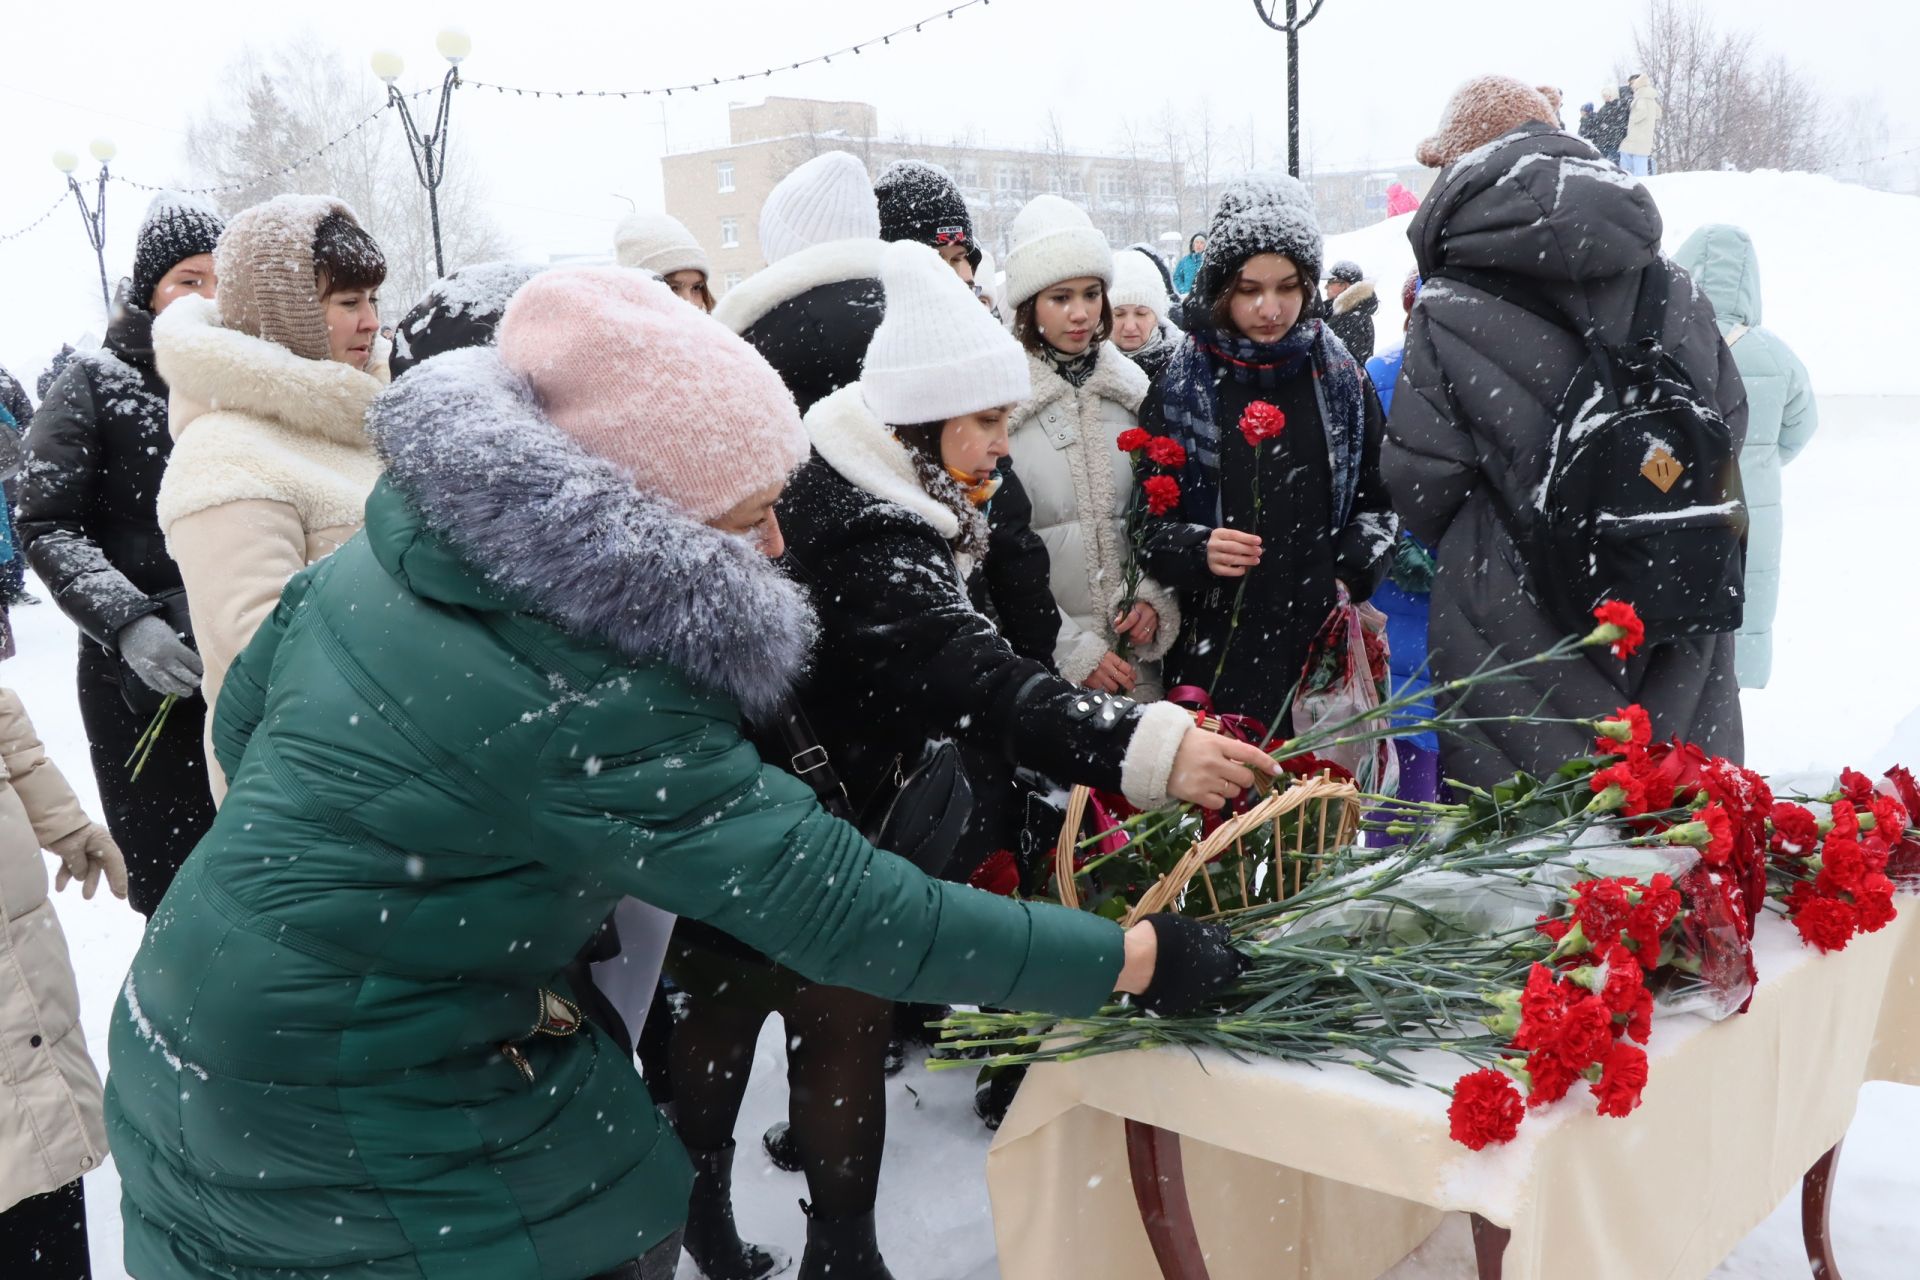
x: 1781, y: 417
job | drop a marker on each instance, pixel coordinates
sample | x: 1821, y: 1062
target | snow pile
x: 1835, y: 260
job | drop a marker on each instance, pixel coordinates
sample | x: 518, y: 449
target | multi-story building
x: 718, y: 191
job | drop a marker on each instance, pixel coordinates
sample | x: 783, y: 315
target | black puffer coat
x: 1015, y: 586
x: 811, y: 315
x: 1350, y: 316
x: 1474, y: 417
x: 95, y: 454
x: 904, y: 657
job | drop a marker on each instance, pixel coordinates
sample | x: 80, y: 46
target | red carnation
x: 1846, y: 819
x: 1542, y: 1003
x: 1631, y: 777
x: 1796, y: 832
x: 1585, y: 1032
x: 1634, y: 722
x: 1843, y: 866
x: 998, y: 874
x: 1132, y: 438
x: 1907, y: 788
x: 1720, y: 843
x: 1622, y: 1076
x: 1826, y: 923
x: 1889, y: 818
x: 1856, y: 787
x: 1486, y: 1109
x: 1163, y: 494
x: 1601, y: 907
x: 1873, y: 904
x: 1647, y: 924
x: 1551, y: 1076
x: 1627, y: 995
x: 1165, y: 451
x: 1622, y: 629
x: 1261, y: 421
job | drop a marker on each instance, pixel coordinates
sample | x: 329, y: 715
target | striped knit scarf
x: 1190, y: 404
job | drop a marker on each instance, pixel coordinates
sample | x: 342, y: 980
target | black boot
x: 781, y: 1148
x: 993, y: 1092
x: 842, y: 1249
x: 712, y: 1240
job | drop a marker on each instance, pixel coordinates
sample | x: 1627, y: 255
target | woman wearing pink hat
x: 347, y: 1044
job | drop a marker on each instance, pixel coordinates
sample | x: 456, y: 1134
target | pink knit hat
x: 635, y: 376
x: 1482, y: 109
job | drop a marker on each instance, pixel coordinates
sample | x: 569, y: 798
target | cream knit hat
x: 827, y: 198
x: 268, y: 285
x: 1053, y: 240
x: 658, y: 243
x: 1138, y: 283
x: 938, y: 353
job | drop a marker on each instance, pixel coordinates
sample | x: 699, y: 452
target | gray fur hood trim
x: 569, y: 535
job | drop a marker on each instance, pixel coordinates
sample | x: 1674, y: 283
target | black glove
x: 1195, y: 962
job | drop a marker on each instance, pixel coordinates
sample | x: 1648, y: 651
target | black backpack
x: 1641, y: 498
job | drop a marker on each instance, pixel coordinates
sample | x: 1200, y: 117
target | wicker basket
x: 1335, y: 831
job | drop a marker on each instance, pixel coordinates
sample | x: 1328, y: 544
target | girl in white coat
x: 1085, y: 393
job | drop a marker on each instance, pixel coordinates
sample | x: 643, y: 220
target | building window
x: 733, y: 280
x: 1011, y: 178
x: 1077, y: 182
x: 724, y: 170
x: 729, y: 233
x: 1163, y: 188
x: 1112, y: 184
x: 967, y: 175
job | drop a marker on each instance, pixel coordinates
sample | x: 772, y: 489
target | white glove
x: 159, y: 657
x: 84, y: 855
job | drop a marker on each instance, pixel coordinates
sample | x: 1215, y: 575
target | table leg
x: 1816, y: 1205
x: 1160, y: 1189
x: 1489, y: 1248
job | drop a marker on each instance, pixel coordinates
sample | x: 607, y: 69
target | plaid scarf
x: 1190, y: 405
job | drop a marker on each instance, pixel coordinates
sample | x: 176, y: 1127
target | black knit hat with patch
x: 177, y: 227
x: 921, y: 202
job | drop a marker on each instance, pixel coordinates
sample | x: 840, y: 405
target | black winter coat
x: 1474, y: 417
x: 812, y: 315
x: 1291, y: 591
x: 95, y: 454
x: 1015, y: 586
x: 904, y: 657
x: 1610, y: 124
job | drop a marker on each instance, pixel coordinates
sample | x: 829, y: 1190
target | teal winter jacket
x: 344, y: 1048
x: 1781, y: 417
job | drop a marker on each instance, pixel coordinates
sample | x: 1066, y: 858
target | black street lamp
x: 1292, y: 25
x: 95, y: 219
x: 429, y: 151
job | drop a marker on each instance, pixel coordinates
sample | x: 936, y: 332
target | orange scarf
x: 978, y: 494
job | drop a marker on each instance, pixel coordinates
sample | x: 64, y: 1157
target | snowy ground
x: 1846, y: 690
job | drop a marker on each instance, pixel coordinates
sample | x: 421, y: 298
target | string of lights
x: 242, y: 184
x: 911, y: 28
x: 51, y: 210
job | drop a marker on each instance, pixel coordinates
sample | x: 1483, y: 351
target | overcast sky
x: 1376, y: 73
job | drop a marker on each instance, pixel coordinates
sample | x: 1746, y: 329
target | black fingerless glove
x: 1195, y: 962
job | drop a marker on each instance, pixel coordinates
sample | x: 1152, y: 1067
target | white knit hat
x: 1138, y: 283
x: 938, y: 354
x: 983, y: 276
x: 827, y: 198
x: 1053, y: 240
x: 658, y: 243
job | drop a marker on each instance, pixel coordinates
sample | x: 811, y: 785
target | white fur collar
x: 827, y: 263
x: 1114, y: 378
x: 210, y: 367
x: 1352, y: 296
x: 854, y: 442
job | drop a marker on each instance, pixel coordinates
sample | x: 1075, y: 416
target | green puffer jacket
x: 455, y: 745
x: 1781, y: 419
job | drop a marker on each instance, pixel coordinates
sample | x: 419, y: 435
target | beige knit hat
x: 1482, y: 109
x: 659, y: 243
x: 938, y: 353
x: 268, y: 282
x: 1053, y: 240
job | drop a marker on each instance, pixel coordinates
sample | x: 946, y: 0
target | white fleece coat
x: 270, y: 472
x: 1082, y: 486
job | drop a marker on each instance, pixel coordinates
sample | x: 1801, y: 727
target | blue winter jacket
x: 1406, y: 609
x: 1184, y: 272
x: 1781, y: 417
